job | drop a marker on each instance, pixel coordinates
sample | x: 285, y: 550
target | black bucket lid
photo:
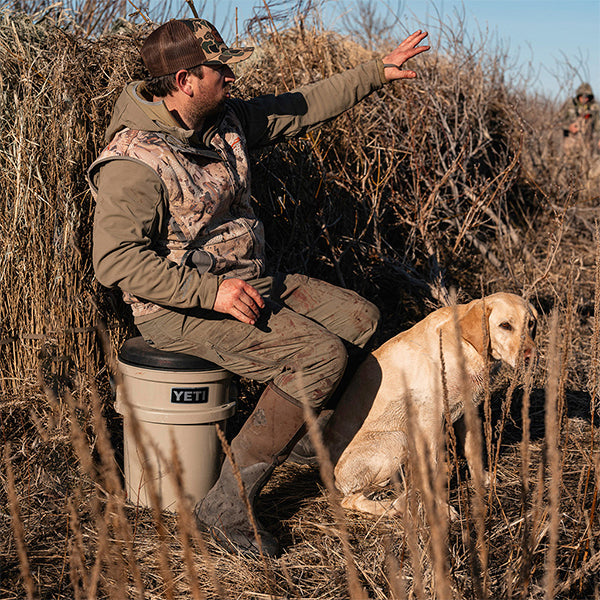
x: 136, y: 352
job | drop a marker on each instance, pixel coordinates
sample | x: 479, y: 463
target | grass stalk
x: 553, y: 457
x: 326, y: 470
x: 18, y: 528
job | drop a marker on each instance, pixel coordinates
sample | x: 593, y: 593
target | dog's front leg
x: 435, y: 455
x: 468, y: 440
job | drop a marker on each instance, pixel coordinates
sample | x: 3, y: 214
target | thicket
x: 429, y: 191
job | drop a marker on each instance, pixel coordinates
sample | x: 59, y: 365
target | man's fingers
x: 412, y: 41
x: 240, y: 300
x: 410, y: 52
x: 414, y: 38
x: 407, y: 49
x: 253, y: 293
x: 248, y: 304
x: 243, y: 315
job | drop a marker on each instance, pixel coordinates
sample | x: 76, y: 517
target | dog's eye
x: 506, y: 325
x: 532, y: 328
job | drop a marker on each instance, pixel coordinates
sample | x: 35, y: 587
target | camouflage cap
x: 187, y: 43
x: 585, y: 89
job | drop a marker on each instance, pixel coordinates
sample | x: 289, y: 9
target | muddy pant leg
x: 302, y: 358
x: 339, y: 310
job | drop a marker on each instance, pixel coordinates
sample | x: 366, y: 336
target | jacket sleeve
x: 130, y: 212
x: 270, y: 119
x: 566, y: 115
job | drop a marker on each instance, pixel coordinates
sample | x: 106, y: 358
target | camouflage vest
x: 211, y: 225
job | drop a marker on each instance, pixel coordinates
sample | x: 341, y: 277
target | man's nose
x: 229, y: 75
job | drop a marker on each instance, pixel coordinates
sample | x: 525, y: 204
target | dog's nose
x: 528, y: 353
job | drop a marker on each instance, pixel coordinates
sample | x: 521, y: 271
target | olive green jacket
x: 173, y: 214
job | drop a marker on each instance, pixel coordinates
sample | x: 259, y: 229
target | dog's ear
x: 474, y: 326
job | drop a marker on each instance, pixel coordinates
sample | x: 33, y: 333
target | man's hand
x: 407, y: 49
x: 237, y: 298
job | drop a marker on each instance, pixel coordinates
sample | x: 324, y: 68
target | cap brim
x: 230, y: 56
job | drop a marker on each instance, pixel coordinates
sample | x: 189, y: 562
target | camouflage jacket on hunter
x: 173, y: 214
x: 587, y: 115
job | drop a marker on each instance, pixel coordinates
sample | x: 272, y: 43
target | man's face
x: 211, y: 90
x: 583, y: 99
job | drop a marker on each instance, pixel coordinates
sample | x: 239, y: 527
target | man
x: 175, y: 230
x: 579, y: 119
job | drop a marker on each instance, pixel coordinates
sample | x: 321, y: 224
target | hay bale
x: 57, y: 93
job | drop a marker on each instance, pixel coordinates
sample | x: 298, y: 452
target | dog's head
x: 510, y: 321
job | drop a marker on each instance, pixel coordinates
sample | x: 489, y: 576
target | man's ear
x: 474, y: 326
x: 182, y: 81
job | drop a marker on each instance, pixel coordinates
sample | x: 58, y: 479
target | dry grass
x: 452, y: 180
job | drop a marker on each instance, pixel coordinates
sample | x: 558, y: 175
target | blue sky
x: 556, y: 44
x: 560, y: 39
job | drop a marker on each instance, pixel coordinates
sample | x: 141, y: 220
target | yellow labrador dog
x: 367, y: 434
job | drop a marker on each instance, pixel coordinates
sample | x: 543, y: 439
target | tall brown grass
x: 450, y: 181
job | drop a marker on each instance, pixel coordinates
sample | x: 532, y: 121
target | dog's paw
x: 448, y: 510
x: 453, y: 515
x: 379, y: 507
x: 397, y: 508
x: 486, y: 479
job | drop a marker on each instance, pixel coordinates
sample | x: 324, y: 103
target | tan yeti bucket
x: 176, y: 398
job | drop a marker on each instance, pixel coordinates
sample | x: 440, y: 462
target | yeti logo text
x: 189, y: 395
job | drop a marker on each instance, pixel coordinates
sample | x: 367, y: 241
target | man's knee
x: 367, y: 317
x: 316, y: 371
x: 324, y: 368
x: 334, y: 358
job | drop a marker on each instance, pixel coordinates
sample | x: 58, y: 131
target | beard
x: 203, y: 107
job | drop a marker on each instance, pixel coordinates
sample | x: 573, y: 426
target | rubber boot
x: 264, y: 441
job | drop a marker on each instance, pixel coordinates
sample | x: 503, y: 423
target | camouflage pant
x: 297, y: 342
x: 575, y: 145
